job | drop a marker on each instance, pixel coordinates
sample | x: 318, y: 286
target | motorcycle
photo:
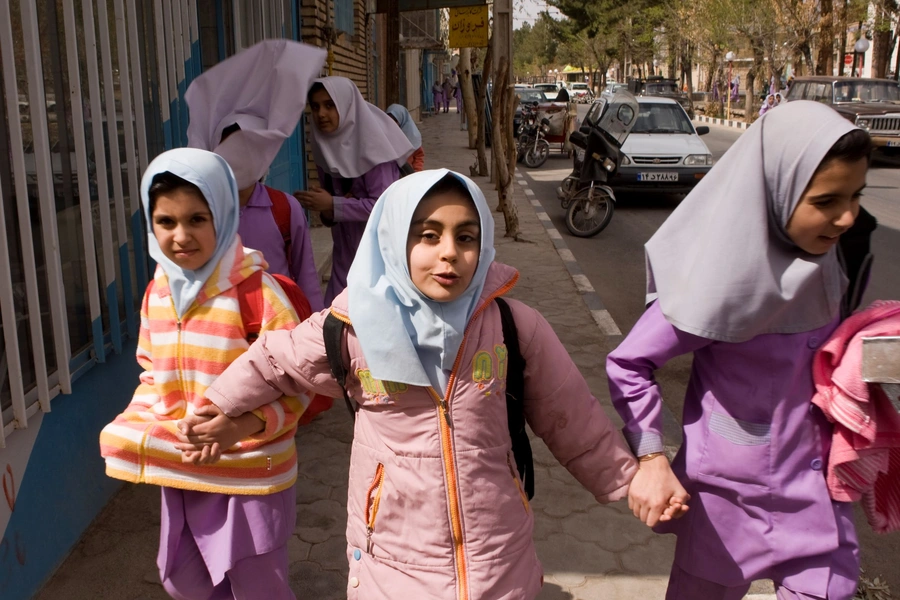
x: 588, y: 201
x: 531, y: 147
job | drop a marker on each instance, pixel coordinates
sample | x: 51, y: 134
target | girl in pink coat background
x: 436, y: 508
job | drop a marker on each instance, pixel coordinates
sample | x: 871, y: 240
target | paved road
x: 614, y: 263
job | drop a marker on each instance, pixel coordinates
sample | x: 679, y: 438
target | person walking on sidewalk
x: 447, y: 91
x: 243, y: 109
x: 437, y: 93
x: 436, y: 507
x: 405, y: 121
x: 745, y: 275
x: 358, y: 151
x: 224, y: 526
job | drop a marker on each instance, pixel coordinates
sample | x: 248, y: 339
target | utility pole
x: 392, y: 56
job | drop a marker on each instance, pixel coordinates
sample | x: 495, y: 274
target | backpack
x: 332, y: 331
x: 281, y: 212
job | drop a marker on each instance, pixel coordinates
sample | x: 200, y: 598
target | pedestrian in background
x: 438, y: 95
x: 243, y: 109
x: 767, y: 105
x: 228, y: 499
x: 358, y: 151
x: 447, y: 91
x: 436, y: 508
x: 404, y: 120
x: 745, y: 275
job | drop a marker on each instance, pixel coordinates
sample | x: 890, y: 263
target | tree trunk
x: 843, y: 30
x: 711, y: 74
x: 825, y: 64
x: 482, y: 95
x: 503, y: 146
x: 881, y: 44
x: 464, y: 70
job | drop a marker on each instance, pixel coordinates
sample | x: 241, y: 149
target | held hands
x: 203, y: 435
x: 316, y: 199
x: 655, y: 493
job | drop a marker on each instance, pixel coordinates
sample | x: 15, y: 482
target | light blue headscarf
x: 213, y: 176
x: 405, y: 336
x: 404, y: 120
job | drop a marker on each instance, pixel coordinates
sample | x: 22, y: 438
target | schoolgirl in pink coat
x: 435, y: 506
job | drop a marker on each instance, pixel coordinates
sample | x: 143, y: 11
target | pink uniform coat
x: 435, y: 507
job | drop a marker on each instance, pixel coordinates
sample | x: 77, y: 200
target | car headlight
x: 625, y: 160
x: 698, y: 159
x: 863, y: 123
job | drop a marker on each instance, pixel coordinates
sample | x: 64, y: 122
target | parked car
x: 550, y: 89
x: 580, y: 92
x: 665, y: 88
x: 872, y: 104
x: 526, y: 96
x: 664, y: 152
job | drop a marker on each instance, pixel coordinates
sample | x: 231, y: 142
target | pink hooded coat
x: 435, y: 507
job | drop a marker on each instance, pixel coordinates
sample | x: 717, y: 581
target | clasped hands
x: 204, y: 435
x: 655, y: 494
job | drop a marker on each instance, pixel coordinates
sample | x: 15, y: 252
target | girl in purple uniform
x: 745, y: 275
x: 358, y: 151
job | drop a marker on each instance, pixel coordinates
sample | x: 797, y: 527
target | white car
x: 664, y: 151
x: 550, y: 90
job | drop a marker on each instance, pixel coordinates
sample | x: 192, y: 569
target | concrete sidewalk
x: 589, y: 551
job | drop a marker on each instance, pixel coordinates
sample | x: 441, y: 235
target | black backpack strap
x: 515, y: 398
x: 331, y: 332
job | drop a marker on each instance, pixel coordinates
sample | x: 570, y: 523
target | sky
x: 526, y: 11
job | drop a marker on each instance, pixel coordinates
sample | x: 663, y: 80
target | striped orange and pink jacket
x: 180, y: 360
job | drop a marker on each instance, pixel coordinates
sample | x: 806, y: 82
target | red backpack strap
x: 281, y: 211
x: 250, y: 298
x: 294, y: 295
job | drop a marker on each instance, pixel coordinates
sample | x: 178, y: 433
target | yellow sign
x: 469, y: 27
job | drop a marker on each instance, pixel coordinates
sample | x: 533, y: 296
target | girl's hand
x: 315, y: 199
x: 655, y: 494
x: 209, y: 425
x: 209, y: 455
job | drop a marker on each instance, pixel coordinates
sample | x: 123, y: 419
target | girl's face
x: 829, y: 205
x: 443, y: 246
x: 325, y: 113
x: 771, y: 100
x: 183, y: 226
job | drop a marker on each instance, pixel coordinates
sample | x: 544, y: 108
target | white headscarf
x: 405, y: 336
x: 262, y: 89
x: 213, y: 176
x: 405, y: 121
x: 365, y: 137
x: 722, y: 265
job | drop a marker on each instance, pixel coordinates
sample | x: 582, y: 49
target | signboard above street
x: 469, y: 27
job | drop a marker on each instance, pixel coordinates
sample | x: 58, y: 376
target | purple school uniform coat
x: 258, y: 230
x: 351, y: 216
x: 753, y: 457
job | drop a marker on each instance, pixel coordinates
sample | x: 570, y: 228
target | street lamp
x: 730, y: 58
x: 860, y: 47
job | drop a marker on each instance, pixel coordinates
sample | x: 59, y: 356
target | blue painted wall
x: 65, y: 485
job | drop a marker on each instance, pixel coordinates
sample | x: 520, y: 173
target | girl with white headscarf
x: 745, y: 274
x: 228, y: 500
x: 437, y: 507
x: 767, y: 105
x: 402, y: 117
x: 358, y: 151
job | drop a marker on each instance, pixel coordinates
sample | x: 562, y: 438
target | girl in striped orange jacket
x: 228, y: 509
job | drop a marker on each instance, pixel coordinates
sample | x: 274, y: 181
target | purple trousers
x: 218, y: 546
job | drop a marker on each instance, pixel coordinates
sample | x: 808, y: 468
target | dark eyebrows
x: 834, y: 195
x: 439, y: 224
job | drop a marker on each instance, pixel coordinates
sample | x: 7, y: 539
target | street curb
x: 723, y: 122
x: 598, y: 311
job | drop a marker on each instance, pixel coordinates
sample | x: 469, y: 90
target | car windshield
x: 579, y: 86
x: 662, y: 118
x: 531, y: 95
x: 661, y: 88
x: 866, y: 91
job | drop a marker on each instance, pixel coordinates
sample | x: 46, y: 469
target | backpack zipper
x: 372, y: 504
